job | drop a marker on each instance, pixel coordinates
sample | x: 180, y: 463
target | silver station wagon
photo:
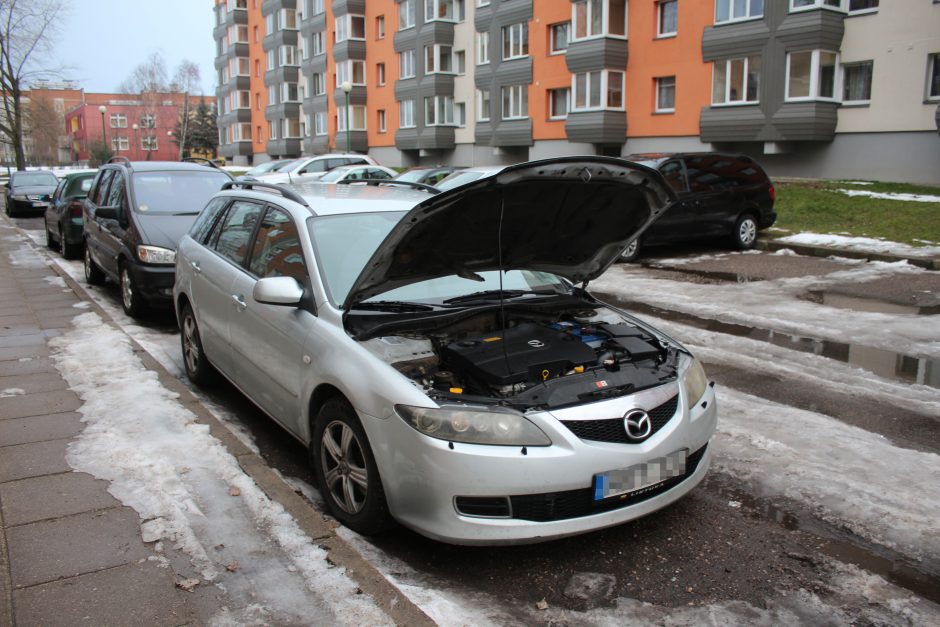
x: 440, y: 356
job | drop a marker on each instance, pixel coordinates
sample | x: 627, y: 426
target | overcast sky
x: 101, y: 41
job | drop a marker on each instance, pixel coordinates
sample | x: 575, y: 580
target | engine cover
x: 527, y: 352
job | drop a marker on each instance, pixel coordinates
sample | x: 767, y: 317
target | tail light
x: 75, y: 209
x: 773, y: 194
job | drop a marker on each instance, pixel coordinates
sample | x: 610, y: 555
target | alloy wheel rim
x: 87, y: 264
x: 127, y: 290
x: 344, y: 467
x: 190, y: 352
x: 748, y: 231
x: 630, y: 250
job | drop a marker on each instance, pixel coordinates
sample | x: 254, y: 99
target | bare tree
x: 148, y: 81
x: 45, y: 125
x: 27, y: 28
x: 186, y: 80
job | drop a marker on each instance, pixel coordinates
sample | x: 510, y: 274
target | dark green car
x: 64, y: 214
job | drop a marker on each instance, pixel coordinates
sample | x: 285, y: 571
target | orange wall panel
x: 548, y: 71
x: 381, y: 51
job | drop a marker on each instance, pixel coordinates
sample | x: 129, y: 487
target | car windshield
x: 35, y: 178
x: 176, y: 192
x: 459, y: 178
x: 270, y: 166
x: 345, y: 243
x: 412, y: 176
x: 336, y: 175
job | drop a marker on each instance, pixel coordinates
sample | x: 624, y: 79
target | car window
x: 116, y: 196
x: 672, y: 172
x: 58, y: 190
x: 207, y: 219
x: 355, y: 161
x: 35, y: 178
x: 101, y: 191
x: 315, y: 166
x: 277, y: 249
x: 79, y: 187
x: 231, y: 241
x: 176, y: 191
x: 459, y: 178
x: 334, y: 175
x: 336, y: 162
x: 375, y: 173
x: 437, y: 177
x: 702, y: 178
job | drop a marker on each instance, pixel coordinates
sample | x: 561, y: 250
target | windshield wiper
x: 188, y: 213
x: 489, y: 295
x: 392, y: 305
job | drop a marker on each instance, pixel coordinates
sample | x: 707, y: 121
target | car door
x: 52, y: 211
x: 312, y: 171
x: 215, y: 268
x: 268, y: 340
x: 112, y: 231
x: 715, y: 195
x: 92, y: 227
x: 676, y: 222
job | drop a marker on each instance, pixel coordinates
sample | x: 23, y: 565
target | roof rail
x: 286, y: 192
x: 425, y: 188
x: 119, y: 159
x: 208, y: 162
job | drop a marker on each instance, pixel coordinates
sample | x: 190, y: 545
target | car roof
x: 325, y: 199
x: 163, y: 166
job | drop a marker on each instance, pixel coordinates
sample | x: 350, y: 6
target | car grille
x: 576, y: 503
x: 612, y: 429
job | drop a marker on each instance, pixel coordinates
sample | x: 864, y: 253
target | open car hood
x: 569, y: 216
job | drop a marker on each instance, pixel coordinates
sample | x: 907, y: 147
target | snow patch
x: 56, y: 281
x: 890, y: 195
x: 26, y: 257
x: 12, y: 392
x: 860, y: 244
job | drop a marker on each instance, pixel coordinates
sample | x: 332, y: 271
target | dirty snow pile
x: 191, y: 492
x: 890, y: 195
x: 860, y: 244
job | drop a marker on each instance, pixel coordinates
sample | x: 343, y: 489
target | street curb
x: 313, y: 523
x: 6, y: 582
x: 930, y: 263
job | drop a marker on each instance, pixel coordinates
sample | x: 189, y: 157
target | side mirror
x: 108, y: 213
x: 278, y: 290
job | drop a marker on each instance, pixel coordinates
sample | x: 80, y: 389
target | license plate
x: 628, y: 480
x: 40, y: 204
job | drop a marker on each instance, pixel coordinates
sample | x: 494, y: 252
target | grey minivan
x: 134, y: 216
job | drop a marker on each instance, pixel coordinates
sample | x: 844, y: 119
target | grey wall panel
x: 236, y: 149
x: 219, y: 31
x: 514, y: 72
x: 436, y: 138
x: 483, y: 17
x: 597, y: 127
x: 358, y: 141
x: 317, y: 144
x: 937, y: 117
x: 285, y: 147
x: 805, y: 121
x: 272, y: 6
x: 406, y: 139
x: 436, y: 85
x: 343, y: 7
x: 313, y: 24
x: 738, y: 39
x: 406, y: 89
x: 317, y: 103
x: 349, y: 49
x: 406, y: 39
x: 483, y: 133
x: 356, y: 97
x: 286, y: 74
x: 512, y: 133
x: 596, y: 54
x: 811, y: 29
x: 280, y: 111
x: 732, y: 123
x: 318, y: 63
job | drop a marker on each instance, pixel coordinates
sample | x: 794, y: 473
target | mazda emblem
x: 637, y: 424
x: 536, y: 343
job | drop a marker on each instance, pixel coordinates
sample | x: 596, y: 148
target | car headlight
x: 474, y: 425
x: 156, y: 255
x: 694, y: 381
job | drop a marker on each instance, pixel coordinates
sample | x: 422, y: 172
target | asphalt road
x: 720, y: 543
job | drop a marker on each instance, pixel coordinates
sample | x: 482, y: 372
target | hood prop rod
x: 499, y: 263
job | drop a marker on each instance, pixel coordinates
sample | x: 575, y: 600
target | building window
x: 406, y: 14
x: 149, y: 120
x: 352, y: 71
x: 933, y: 76
x: 736, y: 81
x: 318, y: 7
x: 318, y: 43
x: 406, y: 64
x: 380, y: 27
x: 590, y: 88
x: 118, y: 120
x: 444, y: 10
x: 734, y: 10
x: 150, y: 143
x: 287, y: 18
x: 288, y: 55
x: 667, y: 18
x: 558, y: 37
x: 120, y: 143
x: 241, y: 66
x: 516, y: 41
x: 483, y: 3
x: 289, y: 92
x: 558, y: 100
x: 460, y: 114
x: 406, y: 114
x: 599, y: 18
x: 483, y: 48
x: 350, y: 27
x: 515, y: 102
x: 460, y: 62
x: 239, y: 133
x: 856, y: 82
x: 319, y: 83
x: 380, y: 74
x: 483, y: 105
x: 319, y: 123
x: 666, y: 94
x: 438, y: 59
x: 238, y: 34
x: 357, y: 118
x: 812, y: 75
x: 291, y: 128
x: 801, y: 5
x: 863, y: 6
x: 238, y: 100
x: 381, y: 121
x: 439, y: 111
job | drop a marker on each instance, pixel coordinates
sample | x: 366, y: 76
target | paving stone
x: 45, y: 551
x: 18, y: 352
x: 26, y: 365
x: 54, y: 402
x: 100, y: 599
x: 23, y: 339
x: 63, y: 495
x: 23, y: 328
x: 33, y: 460
x: 40, y: 428
x: 33, y: 383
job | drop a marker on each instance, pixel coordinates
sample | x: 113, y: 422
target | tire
x: 345, y: 469
x: 51, y: 244
x: 131, y: 300
x: 197, y: 366
x: 745, y: 232
x: 632, y: 252
x: 11, y: 208
x: 93, y: 274
x: 70, y: 250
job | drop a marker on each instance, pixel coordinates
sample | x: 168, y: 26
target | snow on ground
x: 890, y: 195
x: 181, y: 482
x: 860, y: 244
x: 776, y: 305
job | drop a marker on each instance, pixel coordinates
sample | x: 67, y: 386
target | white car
x: 468, y: 175
x: 309, y: 169
x: 440, y: 356
x: 354, y: 173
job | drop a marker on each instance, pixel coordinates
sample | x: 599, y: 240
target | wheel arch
x: 323, y: 393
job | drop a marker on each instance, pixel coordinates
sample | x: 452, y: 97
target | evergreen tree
x: 205, y: 131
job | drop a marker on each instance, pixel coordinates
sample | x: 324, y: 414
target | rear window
x: 175, y: 192
x: 35, y: 178
x: 721, y: 172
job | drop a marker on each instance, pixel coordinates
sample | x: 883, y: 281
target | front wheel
x: 198, y: 368
x: 131, y: 300
x: 346, y: 471
x: 69, y: 250
x: 631, y: 252
x: 50, y: 241
x: 745, y: 232
x: 93, y: 274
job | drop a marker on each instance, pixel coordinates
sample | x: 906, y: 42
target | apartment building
x: 831, y: 88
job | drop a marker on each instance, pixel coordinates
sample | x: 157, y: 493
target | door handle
x: 239, y: 301
x: 195, y: 266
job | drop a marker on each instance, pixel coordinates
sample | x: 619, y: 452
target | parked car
x: 307, y: 169
x: 134, y: 216
x: 720, y: 195
x: 462, y: 177
x: 63, y: 216
x: 438, y: 354
x: 268, y: 167
x: 427, y: 174
x: 29, y: 191
x: 353, y: 173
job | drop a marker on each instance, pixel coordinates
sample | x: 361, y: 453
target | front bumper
x: 154, y: 283
x: 423, y: 476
